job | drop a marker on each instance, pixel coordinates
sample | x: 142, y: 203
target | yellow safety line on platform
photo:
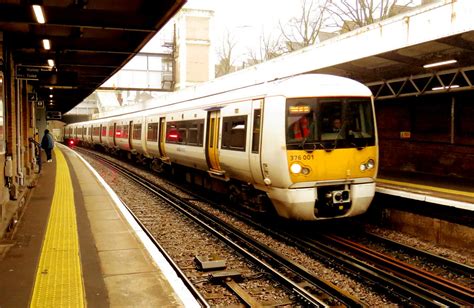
x: 59, y: 276
x: 426, y: 187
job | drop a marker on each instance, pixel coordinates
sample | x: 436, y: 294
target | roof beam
x: 80, y: 18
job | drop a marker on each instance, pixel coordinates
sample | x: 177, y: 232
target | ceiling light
x: 39, y: 14
x: 50, y: 88
x: 51, y: 62
x: 440, y: 63
x: 51, y: 95
x: 445, y: 88
x: 46, y: 44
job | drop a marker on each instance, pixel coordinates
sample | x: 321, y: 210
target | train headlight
x: 296, y: 168
x: 370, y: 164
x: 305, y: 171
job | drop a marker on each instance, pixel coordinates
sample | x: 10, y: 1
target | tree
x: 353, y: 14
x: 225, y: 57
x: 269, y: 48
x: 303, y: 31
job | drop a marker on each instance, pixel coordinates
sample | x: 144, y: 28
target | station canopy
x: 90, y: 40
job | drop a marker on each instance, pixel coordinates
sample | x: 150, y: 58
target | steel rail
x: 460, y: 268
x: 438, y: 285
x: 192, y: 212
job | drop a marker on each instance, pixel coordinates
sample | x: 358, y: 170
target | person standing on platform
x: 47, y: 143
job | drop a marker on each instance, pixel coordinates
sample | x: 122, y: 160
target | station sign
x: 53, y: 115
x: 30, y: 71
x: 405, y: 135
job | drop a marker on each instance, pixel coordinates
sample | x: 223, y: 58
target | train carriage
x: 307, y: 143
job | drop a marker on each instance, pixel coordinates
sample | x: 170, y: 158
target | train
x: 304, y: 147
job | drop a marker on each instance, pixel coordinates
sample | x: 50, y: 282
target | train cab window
x: 152, y: 133
x: 329, y: 123
x: 234, y: 132
x: 137, y: 132
x: 103, y: 133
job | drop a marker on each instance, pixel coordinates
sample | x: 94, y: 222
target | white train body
x: 253, y: 136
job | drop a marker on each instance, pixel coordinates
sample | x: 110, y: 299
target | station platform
x: 445, y: 191
x: 75, y: 246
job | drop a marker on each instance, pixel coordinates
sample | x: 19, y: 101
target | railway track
x: 306, y: 286
x: 440, y: 289
x: 400, y: 282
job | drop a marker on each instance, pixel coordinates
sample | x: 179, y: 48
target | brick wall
x: 432, y: 134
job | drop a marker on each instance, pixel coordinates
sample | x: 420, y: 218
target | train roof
x: 306, y: 85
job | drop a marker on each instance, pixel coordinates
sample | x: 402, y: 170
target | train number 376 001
x: 302, y: 157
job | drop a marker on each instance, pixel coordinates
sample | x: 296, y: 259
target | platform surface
x: 73, y: 245
x: 446, y: 191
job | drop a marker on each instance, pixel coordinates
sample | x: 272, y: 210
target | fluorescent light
x: 445, y: 88
x: 51, y: 62
x: 39, y: 14
x: 440, y: 63
x: 46, y: 44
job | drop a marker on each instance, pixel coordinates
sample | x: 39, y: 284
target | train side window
x: 172, y: 133
x: 195, y: 133
x: 119, y: 131
x: 256, y: 131
x: 104, y: 131
x: 111, y: 131
x: 125, y: 131
x: 183, y: 132
x: 96, y: 131
x: 137, y: 132
x: 152, y: 134
x: 234, y: 133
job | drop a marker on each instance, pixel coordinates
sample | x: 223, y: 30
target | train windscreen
x: 329, y: 123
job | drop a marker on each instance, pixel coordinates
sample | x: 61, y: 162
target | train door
x: 115, y: 134
x: 255, y: 139
x: 130, y: 134
x: 100, y: 134
x: 212, y: 142
x: 162, y: 139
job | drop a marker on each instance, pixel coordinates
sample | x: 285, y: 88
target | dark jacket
x: 47, y: 142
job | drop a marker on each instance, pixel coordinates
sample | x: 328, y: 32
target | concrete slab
x: 115, y: 241
x: 97, y: 203
x: 103, y: 214
x: 127, y: 261
x: 107, y: 226
x: 137, y: 290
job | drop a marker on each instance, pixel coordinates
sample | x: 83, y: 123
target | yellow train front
x: 331, y: 149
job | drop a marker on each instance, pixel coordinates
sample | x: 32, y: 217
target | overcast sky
x: 247, y: 20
